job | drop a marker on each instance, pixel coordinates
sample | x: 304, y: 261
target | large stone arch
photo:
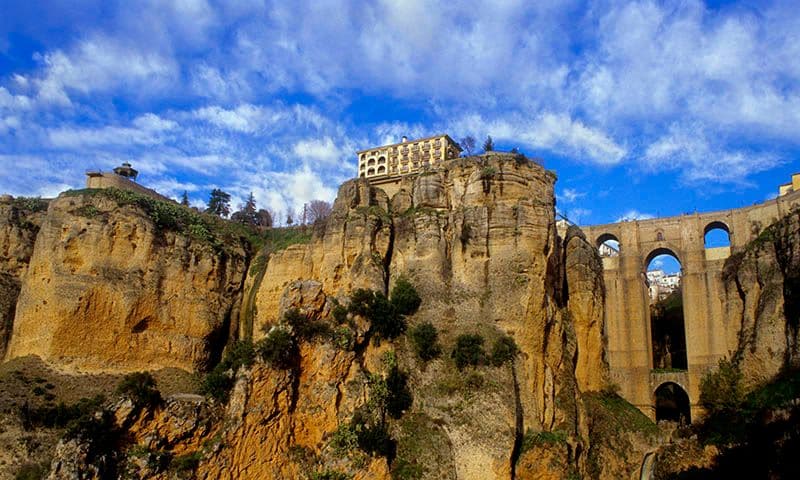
x: 671, y: 402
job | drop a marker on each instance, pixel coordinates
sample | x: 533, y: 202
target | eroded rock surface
x: 107, y: 290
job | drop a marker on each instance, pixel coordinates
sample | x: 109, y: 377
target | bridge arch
x: 716, y: 234
x: 672, y: 403
x: 665, y: 250
x: 608, y: 245
x: 665, y: 313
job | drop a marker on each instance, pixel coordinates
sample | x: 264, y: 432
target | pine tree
x: 219, y: 203
x: 488, y: 145
x: 185, y: 199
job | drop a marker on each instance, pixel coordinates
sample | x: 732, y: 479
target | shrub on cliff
x: 140, y: 388
x: 468, y: 351
x: 722, y: 389
x: 278, y: 348
x: 405, y: 298
x: 304, y: 327
x: 504, y: 350
x: 425, y: 340
x: 218, y: 382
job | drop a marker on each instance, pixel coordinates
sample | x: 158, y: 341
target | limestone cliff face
x: 19, y: 223
x: 108, y: 290
x: 763, y: 295
x: 477, y: 238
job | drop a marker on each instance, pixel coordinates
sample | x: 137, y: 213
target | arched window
x: 371, y: 162
x: 716, y: 234
x: 672, y: 404
x: 363, y: 166
x: 371, y: 171
x: 381, y: 170
x: 667, y: 327
x: 608, y: 245
x: 381, y: 160
x: 659, y: 236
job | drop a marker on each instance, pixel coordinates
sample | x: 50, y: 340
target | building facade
x: 408, y: 156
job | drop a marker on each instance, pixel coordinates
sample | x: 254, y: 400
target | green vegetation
x: 503, y: 351
x: 32, y: 471
x: 405, y: 298
x: 468, y: 351
x: 303, y: 327
x: 278, y: 348
x: 758, y: 434
x: 329, y: 475
x: 532, y: 439
x: 59, y: 416
x: 218, y: 382
x: 277, y: 239
x: 187, y: 462
x: 30, y: 204
x: 170, y: 216
x: 425, y: 341
x: 140, y: 388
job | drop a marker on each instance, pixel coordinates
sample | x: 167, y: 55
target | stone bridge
x: 708, y: 333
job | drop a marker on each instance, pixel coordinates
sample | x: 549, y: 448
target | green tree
x: 722, y: 389
x: 219, y: 203
x: 140, y: 388
x: 468, y: 350
x: 278, y: 348
x: 247, y: 213
x: 185, y: 199
x: 504, y: 350
x: 405, y: 297
x: 424, y: 338
x: 468, y: 145
x: 488, y: 145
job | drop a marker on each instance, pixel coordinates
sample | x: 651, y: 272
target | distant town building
x: 607, y: 250
x: 408, y: 156
x: 661, y: 284
x: 793, y: 186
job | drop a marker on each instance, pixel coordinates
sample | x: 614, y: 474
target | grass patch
x: 276, y: 239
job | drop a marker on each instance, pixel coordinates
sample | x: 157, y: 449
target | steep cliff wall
x: 19, y: 223
x: 477, y: 238
x: 762, y: 289
x: 115, y: 285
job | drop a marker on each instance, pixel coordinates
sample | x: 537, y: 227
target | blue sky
x: 642, y: 108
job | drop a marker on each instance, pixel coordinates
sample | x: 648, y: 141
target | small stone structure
x: 122, y: 177
x: 793, y: 186
x: 710, y: 335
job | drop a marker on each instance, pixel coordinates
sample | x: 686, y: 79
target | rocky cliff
x: 20, y: 220
x: 119, y: 283
x: 763, y: 299
x: 115, y: 284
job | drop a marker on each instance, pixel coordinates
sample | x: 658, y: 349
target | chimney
x: 405, y: 139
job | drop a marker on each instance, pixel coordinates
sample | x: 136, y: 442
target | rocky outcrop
x: 477, y: 238
x: 763, y: 301
x: 20, y: 219
x: 585, y: 292
x: 109, y: 289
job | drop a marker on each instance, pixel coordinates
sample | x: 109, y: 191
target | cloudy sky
x: 642, y: 108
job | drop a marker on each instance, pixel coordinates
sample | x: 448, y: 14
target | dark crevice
x: 387, y: 259
x: 518, y: 424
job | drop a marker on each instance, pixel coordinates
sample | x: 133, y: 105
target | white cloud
x: 690, y: 150
x: 320, y: 151
x: 147, y: 130
x: 569, y: 195
x: 244, y: 118
x: 631, y: 215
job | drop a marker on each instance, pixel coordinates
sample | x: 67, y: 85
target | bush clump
x: 304, y: 327
x: 278, y: 348
x: 140, y: 388
x: 504, y: 350
x: 425, y: 341
x: 468, y: 351
x: 32, y: 471
x: 405, y: 298
x: 59, y: 416
x: 219, y: 381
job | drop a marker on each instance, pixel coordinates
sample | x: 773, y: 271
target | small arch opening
x: 363, y: 174
x: 659, y: 236
x: 667, y: 325
x: 672, y: 404
x: 371, y: 171
x: 608, y: 245
x: 381, y: 169
x: 381, y: 160
x: 716, y: 234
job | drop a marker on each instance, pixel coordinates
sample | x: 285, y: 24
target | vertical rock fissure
x: 518, y: 424
x: 387, y: 259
